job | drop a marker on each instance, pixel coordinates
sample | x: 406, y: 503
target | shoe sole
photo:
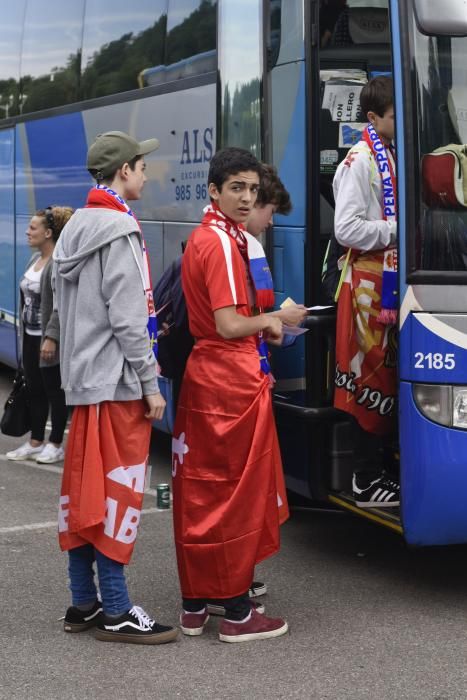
x: 232, y: 638
x: 256, y: 592
x: 20, y: 458
x: 79, y: 626
x: 161, y: 638
x: 194, y: 631
x: 366, y: 504
x: 49, y: 461
x: 220, y: 610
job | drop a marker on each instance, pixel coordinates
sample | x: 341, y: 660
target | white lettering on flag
x: 129, y: 526
x: 132, y: 477
x: 110, y: 516
x: 63, y: 514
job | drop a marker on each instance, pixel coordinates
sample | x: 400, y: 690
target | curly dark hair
x: 272, y: 190
x: 231, y: 161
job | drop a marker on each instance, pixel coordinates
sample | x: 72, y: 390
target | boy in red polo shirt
x: 226, y: 514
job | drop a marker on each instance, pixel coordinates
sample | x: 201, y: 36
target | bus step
x: 378, y: 515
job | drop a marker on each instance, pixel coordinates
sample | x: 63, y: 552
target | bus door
x: 346, y: 44
x: 350, y: 43
x: 431, y: 69
x: 8, y: 289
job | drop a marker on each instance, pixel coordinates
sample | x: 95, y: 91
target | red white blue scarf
x: 388, y: 313
x: 104, y: 197
x: 261, y: 274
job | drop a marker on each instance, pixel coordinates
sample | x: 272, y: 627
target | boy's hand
x: 156, y: 406
x: 292, y: 314
x: 273, y: 329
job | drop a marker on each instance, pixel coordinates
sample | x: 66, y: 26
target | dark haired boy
x: 272, y: 199
x: 365, y: 224
x: 226, y: 515
x: 107, y: 320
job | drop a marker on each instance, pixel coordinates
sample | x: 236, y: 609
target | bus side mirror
x: 452, y: 21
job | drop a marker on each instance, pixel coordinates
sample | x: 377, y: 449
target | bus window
x: 50, y: 55
x: 441, y: 98
x: 285, y: 32
x: 191, y: 34
x: 10, y: 41
x: 119, y: 44
x: 240, y: 69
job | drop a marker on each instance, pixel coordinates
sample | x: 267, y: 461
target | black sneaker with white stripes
x: 134, y: 627
x: 77, y: 620
x: 382, y: 492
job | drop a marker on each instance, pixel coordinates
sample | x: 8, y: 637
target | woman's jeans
x: 112, y: 583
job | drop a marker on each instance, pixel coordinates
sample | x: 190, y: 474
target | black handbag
x: 16, y: 419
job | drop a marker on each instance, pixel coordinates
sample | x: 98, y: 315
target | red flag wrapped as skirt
x: 103, y: 478
x: 228, y: 484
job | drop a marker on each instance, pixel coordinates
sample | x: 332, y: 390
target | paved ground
x: 369, y: 618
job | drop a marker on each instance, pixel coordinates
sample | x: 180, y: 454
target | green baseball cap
x: 114, y: 148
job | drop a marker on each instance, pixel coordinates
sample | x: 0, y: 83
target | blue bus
x: 281, y: 78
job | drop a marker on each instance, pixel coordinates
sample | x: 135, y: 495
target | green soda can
x: 163, y: 495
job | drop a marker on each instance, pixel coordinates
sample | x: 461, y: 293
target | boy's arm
x: 122, y: 288
x: 352, y: 192
x: 230, y: 324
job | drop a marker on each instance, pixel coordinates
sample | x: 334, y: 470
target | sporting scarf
x: 255, y: 260
x: 103, y: 197
x: 388, y: 313
x: 261, y: 274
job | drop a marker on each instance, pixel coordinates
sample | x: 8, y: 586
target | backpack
x: 174, y: 346
x: 444, y: 177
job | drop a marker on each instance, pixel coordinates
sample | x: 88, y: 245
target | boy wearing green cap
x: 107, y: 335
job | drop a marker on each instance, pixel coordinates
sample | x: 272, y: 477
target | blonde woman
x: 39, y: 336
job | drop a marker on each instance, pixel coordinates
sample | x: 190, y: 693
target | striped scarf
x: 101, y: 196
x: 388, y: 313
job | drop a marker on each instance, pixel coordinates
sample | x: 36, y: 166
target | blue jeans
x: 112, y: 584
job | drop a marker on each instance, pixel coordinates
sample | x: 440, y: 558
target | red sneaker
x: 193, y: 624
x: 256, y: 627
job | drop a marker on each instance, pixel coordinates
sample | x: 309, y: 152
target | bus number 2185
x: 434, y: 360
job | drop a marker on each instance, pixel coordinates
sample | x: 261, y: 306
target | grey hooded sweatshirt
x: 105, y: 353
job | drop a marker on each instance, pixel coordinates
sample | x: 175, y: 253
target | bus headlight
x: 459, y: 407
x: 434, y: 401
x: 443, y: 404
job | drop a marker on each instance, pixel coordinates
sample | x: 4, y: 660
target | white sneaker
x: 50, y: 454
x: 24, y: 452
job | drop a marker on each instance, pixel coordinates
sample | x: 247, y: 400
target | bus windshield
x: 440, y: 116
